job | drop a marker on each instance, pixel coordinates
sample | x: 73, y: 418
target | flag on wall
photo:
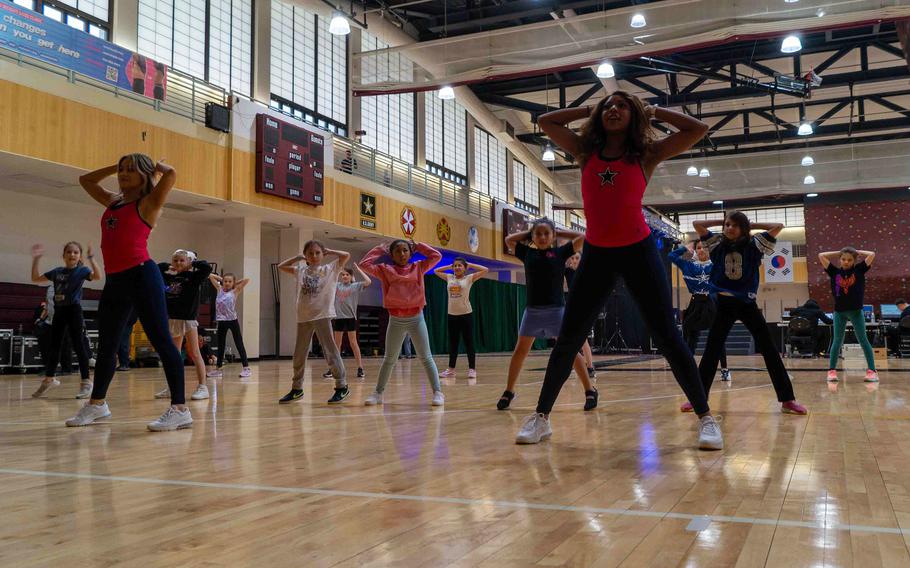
x: 779, y: 265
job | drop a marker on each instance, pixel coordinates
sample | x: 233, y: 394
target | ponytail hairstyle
x: 462, y: 260
x: 542, y: 221
x: 851, y: 251
x: 638, y: 137
x: 145, y: 166
x: 348, y: 271
x: 745, y: 226
x: 78, y: 246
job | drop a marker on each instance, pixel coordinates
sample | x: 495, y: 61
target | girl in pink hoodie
x: 403, y: 296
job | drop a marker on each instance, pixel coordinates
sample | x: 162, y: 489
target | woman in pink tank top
x: 618, y: 153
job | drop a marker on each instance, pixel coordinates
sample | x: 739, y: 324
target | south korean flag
x: 779, y: 265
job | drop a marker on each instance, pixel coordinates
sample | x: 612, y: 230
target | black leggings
x: 67, y: 320
x: 729, y: 310
x: 234, y: 327
x: 140, y: 288
x: 699, y: 315
x: 641, y: 267
x: 461, y: 326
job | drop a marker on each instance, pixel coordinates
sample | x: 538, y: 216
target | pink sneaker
x: 447, y: 374
x: 793, y: 407
x: 832, y: 376
x: 871, y: 376
x: 687, y: 407
x: 472, y: 374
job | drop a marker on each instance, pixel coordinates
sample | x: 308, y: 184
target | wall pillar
x: 242, y: 252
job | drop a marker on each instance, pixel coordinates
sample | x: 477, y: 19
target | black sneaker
x: 505, y: 400
x: 295, y: 394
x: 591, y: 399
x: 360, y: 374
x: 340, y: 395
x: 327, y: 374
x: 591, y: 372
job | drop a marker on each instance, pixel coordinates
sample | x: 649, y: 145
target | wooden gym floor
x: 255, y: 483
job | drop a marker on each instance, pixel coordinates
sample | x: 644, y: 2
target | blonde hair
x: 190, y: 255
x: 145, y: 166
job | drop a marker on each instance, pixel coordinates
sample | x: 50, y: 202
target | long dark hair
x: 78, y: 246
x: 742, y: 221
x: 145, y: 166
x: 638, y: 136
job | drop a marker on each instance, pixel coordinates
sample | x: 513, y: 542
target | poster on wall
x: 408, y: 222
x: 367, y: 211
x: 513, y: 221
x: 779, y: 265
x: 35, y: 35
x: 443, y: 232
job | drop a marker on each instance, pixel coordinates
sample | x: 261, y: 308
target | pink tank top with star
x: 124, y: 237
x: 612, y: 191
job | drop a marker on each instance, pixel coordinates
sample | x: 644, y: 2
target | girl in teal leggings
x: 848, y: 282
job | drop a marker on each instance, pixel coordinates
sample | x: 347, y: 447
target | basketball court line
x: 701, y: 521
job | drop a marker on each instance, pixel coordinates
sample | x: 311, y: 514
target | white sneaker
x: 214, y: 373
x: 373, y: 399
x: 44, y: 387
x: 201, y: 393
x: 246, y: 372
x: 85, y: 390
x: 709, y: 435
x: 172, y: 419
x: 447, y: 374
x: 438, y: 398
x: 89, y: 413
x: 535, y: 429
x: 165, y: 393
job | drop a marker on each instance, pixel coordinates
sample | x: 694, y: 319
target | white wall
x: 269, y: 255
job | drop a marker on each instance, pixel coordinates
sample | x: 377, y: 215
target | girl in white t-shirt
x: 315, y: 312
x: 461, y: 314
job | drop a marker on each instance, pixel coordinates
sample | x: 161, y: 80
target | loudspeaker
x: 218, y: 117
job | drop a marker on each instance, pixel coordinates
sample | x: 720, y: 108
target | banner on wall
x: 779, y: 265
x: 38, y: 36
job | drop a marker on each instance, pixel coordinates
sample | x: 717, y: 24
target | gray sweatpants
x: 323, y: 330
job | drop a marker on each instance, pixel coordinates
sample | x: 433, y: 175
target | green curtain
x: 498, y: 307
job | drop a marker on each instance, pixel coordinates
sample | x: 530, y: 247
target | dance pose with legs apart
x: 571, y: 269
x: 404, y: 296
x: 618, y: 153
x: 227, y: 290
x: 315, y: 311
x: 545, y: 267
x: 848, y: 284
x: 347, y: 298
x: 460, y: 312
x: 183, y: 279
x: 67, y: 281
x: 695, y: 264
x: 736, y: 256
x: 133, y: 281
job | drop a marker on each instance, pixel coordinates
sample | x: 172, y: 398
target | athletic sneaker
x: 686, y: 407
x: 726, y: 375
x: 793, y: 407
x: 871, y: 376
x: 591, y: 372
x: 535, y: 429
x: 89, y: 413
x: 214, y: 373
x: 472, y: 373
x: 201, y: 393
x: 328, y: 375
x: 44, y: 386
x: 709, y: 435
x: 505, y: 400
x: 246, y: 372
x: 373, y: 399
x: 294, y: 394
x: 591, y: 399
x: 164, y: 393
x: 123, y: 368
x: 447, y: 374
x: 172, y: 419
x: 832, y: 376
x: 438, y: 398
x: 85, y: 390
x: 360, y: 374
x: 340, y: 395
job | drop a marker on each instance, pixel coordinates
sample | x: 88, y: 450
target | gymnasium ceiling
x: 860, y: 112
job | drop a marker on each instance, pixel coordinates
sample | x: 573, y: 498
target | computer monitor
x: 890, y: 312
x: 785, y: 314
x: 868, y: 313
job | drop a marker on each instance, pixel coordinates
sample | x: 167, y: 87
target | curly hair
x: 638, y: 136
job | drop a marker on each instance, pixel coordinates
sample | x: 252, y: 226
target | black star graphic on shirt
x: 606, y: 176
x: 111, y: 222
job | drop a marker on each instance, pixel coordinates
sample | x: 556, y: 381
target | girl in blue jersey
x: 736, y: 258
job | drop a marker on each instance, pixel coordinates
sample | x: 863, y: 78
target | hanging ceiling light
x: 811, y: 195
x: 718, y: 202
x: 805, y: 129
x: 807, y: 161
x: 692, y: 171
x: 605, y: 71
x: 446, y: 93
x: 704, y: 173
x: 339, y: 24
x: 809, y: 179
x: 790, y: 1
x: 638, y: 21
x: 791, y: 44
x: 548, y: 154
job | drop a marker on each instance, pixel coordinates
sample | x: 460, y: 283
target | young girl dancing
x: 461, y: 314
x: 183, y: 279
x: 347, y: 298
x: 227, y: 290
x: 403, y: 295
x: 618, y: 154
x: 695, y: 264
x: 133, y: 281
x: 67, y: 281
x: 848, y: 284
x: 545, y: 267
x: 736, y: 256
x: 315, y: 311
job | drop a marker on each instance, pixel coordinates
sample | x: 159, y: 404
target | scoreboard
x: 289, y: 160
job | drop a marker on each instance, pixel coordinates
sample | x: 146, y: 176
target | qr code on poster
x: 112, y: 73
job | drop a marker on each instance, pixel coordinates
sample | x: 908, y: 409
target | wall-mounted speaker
x: 218, y: 117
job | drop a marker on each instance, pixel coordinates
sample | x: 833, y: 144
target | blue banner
x: 33, y: 34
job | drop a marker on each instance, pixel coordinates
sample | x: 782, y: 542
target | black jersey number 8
x: 733, y: 266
